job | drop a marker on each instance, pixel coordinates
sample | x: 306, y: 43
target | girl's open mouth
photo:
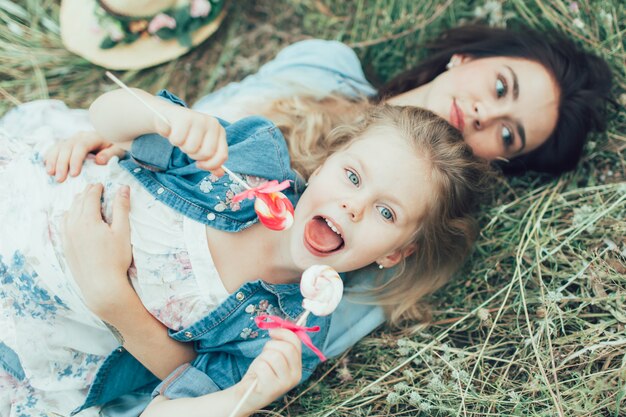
x: 322, y: 237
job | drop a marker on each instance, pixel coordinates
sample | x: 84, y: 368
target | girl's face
x: 362, y: 205
x: 505, y: 107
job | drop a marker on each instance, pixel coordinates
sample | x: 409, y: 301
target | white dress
x: 59, y: 341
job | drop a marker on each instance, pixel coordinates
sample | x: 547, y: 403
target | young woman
x: 524, y: 98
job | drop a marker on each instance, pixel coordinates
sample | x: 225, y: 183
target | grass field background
x: 534, y: 324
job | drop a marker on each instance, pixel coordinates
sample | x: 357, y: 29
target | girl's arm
x: 120, y: 117
x: 99, y: 256
x: 277, y: 369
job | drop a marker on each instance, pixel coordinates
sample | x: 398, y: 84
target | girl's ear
x: 396, y: 256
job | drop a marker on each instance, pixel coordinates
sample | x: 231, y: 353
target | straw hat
x: 135, y: 34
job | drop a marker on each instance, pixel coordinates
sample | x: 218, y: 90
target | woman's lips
x: 457, y: 118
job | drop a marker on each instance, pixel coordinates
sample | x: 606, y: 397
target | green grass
x: 534, y: 324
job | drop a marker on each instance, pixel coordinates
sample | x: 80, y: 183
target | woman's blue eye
x: 500, y: 88
x: 354, y: 179
x: 386, y: 213
x: 507, y: 137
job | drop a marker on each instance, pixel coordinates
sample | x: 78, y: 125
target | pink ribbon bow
x: 274, y: 209
x: 266, y: 321
x: 269, y: 187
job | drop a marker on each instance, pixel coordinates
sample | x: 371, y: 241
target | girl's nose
x: 354, y: 209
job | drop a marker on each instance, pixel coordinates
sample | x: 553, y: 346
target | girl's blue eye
x: 354, y: 179
x: 500, y: 88
x: 507, y: 137
x: 386, y: 213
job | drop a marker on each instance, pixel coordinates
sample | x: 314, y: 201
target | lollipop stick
x: 302, y: 319
x: 164, y: 119
x: 244, y: 398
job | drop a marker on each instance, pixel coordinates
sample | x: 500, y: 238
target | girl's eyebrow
x: 389, y: 196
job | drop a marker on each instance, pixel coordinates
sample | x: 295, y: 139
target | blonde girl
x: 396, y: 187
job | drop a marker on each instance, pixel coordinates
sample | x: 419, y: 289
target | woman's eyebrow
x: 515, y: 82
x: 521, y: 132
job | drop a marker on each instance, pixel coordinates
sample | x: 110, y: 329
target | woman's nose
x: 485, y: 113
x: 355, y: 210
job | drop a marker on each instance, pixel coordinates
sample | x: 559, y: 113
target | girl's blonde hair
x: 314, y: 129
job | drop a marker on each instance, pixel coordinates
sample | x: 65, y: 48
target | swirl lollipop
x: 274, y: 209
x: 322, y: 289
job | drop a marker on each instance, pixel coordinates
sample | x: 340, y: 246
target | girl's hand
x: 277, y: 370
x: 198, y: 135
x: 68, y: 155
x: 97, y: 252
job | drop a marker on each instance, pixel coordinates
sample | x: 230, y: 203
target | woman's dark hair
x: 584, y: 81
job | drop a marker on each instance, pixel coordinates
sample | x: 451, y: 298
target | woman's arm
x: 276, y: 370
x: 99, y: 256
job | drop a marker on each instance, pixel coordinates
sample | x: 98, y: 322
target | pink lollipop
x: 274, y: 209
x: 322, y: 289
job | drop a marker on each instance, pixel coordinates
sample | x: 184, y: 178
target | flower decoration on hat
x: 177, y: 22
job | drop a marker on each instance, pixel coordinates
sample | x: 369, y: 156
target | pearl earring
x: 449, y: 65
x: 380, y: 266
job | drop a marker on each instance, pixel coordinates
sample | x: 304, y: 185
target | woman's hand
x: 68, y: 156
x: 97, y: 253
x: 200, y: 136
x: 277, y: 370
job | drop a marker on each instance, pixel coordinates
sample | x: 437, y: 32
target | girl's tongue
x: 321, y: 237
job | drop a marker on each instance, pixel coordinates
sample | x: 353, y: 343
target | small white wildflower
x: 425, y: 406
x: 404, y: 351
x: 606, y: 18
x: 581, y: 214
x: 578, y: 23
x: 591, y: 145
x: 375, y: 389
x: 514, y: 396
x: 409, y: 374
x: 403, y: 342
x: 554, y: 296
x: 436, y: 384
x: 483, y: 314
x: 415, y: 398
x: 393, y: 398
x: 461, y: 375
x: 401, y: 387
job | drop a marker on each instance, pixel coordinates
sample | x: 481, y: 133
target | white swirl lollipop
x: 322, y: 289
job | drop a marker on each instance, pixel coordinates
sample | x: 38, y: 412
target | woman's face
x: 505, y: 107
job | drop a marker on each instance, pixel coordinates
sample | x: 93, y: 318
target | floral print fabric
x: 60, y: 343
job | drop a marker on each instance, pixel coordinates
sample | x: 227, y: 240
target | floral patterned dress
x: 60, y: 343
